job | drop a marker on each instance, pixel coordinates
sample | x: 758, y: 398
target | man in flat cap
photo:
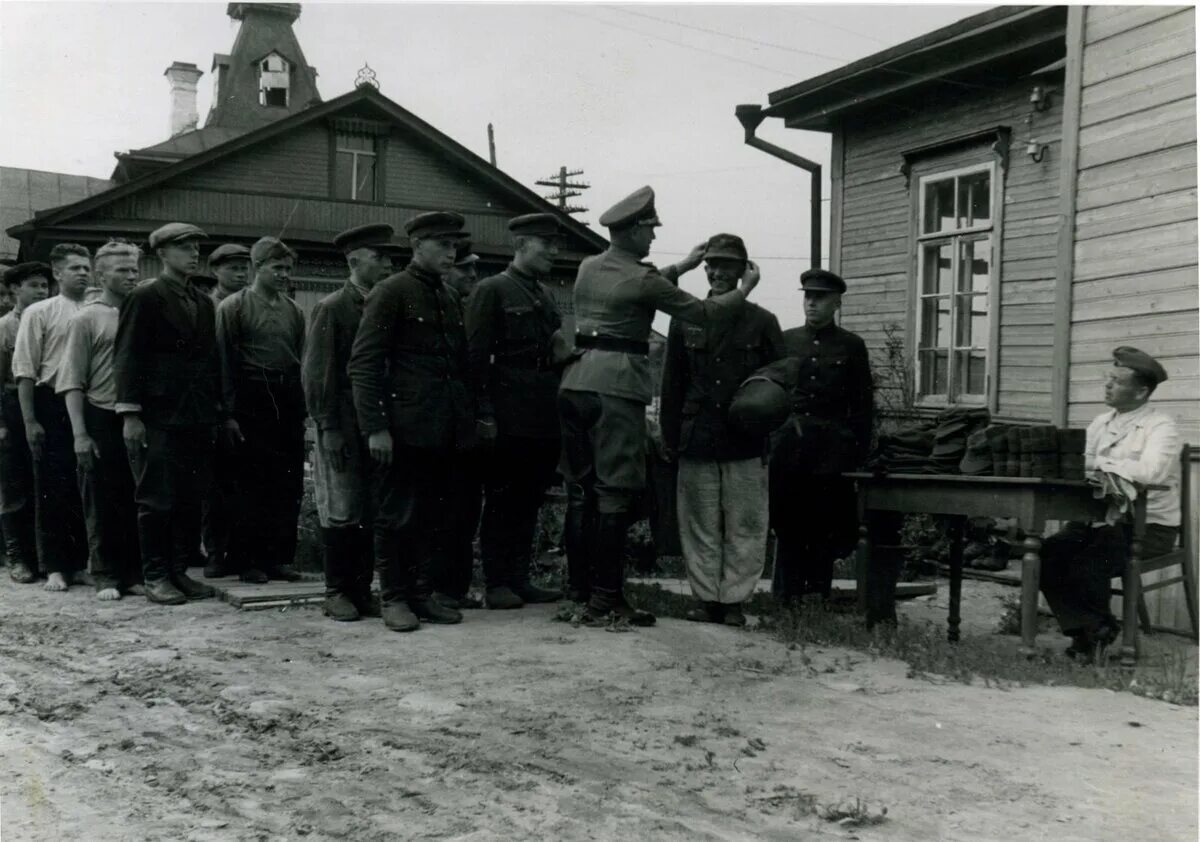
x: 37, y: 357
x: 29, y: 283
x: 230, y: 264
x: 511, y: 322
x: 341, y: 464
x: 260, y: 337
x: 86, y: 381
x: 1140, y: 444
x: 168, y: 375
x: 812, y: 506
x: 722, y: 484
x: 408, y: 369
x: 605, y: 390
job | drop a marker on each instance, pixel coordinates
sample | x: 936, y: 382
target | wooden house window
x: 355, y: 170
x: 273, y: 77
x: 955, y: 277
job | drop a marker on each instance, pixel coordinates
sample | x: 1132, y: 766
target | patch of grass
x: 854, y: 813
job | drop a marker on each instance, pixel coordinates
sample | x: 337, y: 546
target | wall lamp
x: 1036, y: 151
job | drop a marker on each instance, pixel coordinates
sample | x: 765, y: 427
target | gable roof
x: 521, y: 196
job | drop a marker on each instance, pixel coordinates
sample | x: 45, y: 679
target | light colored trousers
x: 722, y: 509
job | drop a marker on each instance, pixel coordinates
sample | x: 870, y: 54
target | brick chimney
x: 183, y: 78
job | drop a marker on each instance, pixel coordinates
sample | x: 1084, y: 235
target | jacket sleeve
x: 674, y: 386
x: 228, y: 322
x: 773, y: 347
x: 661, y: 294
x: 1158, y: 456
x: 318, y: 369
x: 130, y: 350
x: 27, y: 350
x: 369, y: 357
x: 481, y: 314
x: 862, y: 396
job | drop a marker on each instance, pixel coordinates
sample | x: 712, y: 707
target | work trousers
x: 452, y: 575
x: 1079, y: 563
x: 722, y: 508
x: 16, y: 486
x: 604, y: 447
x: 413, y: 516
x: 270, y: 476
x: 108, y: 508
x: 343, y: 497
x: 61, y: 535
x: 221, y: 505
x: 813, y: 516
x: 519, y: 471
x: 172, y: 474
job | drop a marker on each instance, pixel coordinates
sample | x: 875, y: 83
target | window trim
x: 337, y: 150
x: 287, y: 87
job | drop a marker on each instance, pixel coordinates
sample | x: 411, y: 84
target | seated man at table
x: 1133, y: 442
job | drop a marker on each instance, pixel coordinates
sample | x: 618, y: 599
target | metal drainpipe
x: 751, y: 116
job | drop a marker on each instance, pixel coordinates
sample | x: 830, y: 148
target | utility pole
x: 565, y: 189
x: 491, y: 145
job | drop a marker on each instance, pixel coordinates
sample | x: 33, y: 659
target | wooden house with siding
x: 1015, y: 195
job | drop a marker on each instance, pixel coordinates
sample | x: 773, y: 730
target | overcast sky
x: 632, y: 95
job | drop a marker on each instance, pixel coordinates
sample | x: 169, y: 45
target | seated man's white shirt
x: 1142, y: 446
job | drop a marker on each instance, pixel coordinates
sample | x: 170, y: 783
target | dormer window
x: 273, y: 76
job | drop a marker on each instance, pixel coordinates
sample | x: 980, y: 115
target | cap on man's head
x: 21, y: 271
x: 436, y: 224
x: 463, y: 255
x: 174, y: 233
x: 1141, y: 362
x: 228, y: 251
x: 270, y: 248
x: 535, y: 224
x: 725, y: 246
x: 821, y: 280
x: 635, y: 209
x: 376, y: 235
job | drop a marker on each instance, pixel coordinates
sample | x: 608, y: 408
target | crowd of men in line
x: 144, y: 421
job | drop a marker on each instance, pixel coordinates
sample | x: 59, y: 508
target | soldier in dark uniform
x: 408, y: 370
x: 341, y: 469
x: 722, y: 484
x: 828, y: 432
x: 605, y: 390
x: 511, y: 322
x: 168, y: 378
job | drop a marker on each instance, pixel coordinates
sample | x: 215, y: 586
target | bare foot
x: 136, y: 590
x: 108, y: 594
x: 55, y: 582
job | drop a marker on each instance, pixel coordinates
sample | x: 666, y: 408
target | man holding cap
x: 230, y: 263
x: 722, y: 487
x: 828, y: 432
x: 511, y: 321
x: 604, y: 393
x: 1137, y: 443
x: 408, y: 370
x: 168, y: 376
x: 260, y: 336
x: 341, y: 469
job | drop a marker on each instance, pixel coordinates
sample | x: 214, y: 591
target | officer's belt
x: 611, y: 343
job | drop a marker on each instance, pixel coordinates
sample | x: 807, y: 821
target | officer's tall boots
x: 340, y: 546
x: 20, y: 545
x: 523, y: 587
x: 361, y: 571
x: 420, y: 594
x: 154, y: 534
x: 608, y: 574
x: 394, y: 582
x: 579, y: 537
x: 185, y: 543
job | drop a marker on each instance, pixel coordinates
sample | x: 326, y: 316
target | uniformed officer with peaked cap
x: 605, y: 390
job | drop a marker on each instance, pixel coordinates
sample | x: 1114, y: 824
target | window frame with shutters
x: 965, y: 342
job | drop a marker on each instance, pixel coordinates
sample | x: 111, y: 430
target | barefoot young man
x: 86, y: 381
x: 37, y: 358
x: 29, y: 284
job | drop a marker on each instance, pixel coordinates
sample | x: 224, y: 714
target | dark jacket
x: 829, y: 380
x: 510, y: 322
x: 703, y: 368
x: 327, y: 391
x: 408, y: 365
x: 165, y: 362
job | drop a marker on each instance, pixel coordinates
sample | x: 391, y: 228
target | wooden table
x: 1030, y: 500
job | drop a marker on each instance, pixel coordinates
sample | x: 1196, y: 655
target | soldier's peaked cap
x: 727, y: 246
x: 227, y: 252
x: 436, y: 224
x: 821, y: 280
x: 376, y: 235
x: 1141, y: 362
x: 21, y: 271
x: 175, y: 232
x: 538, y: 224
x: 635, y: 209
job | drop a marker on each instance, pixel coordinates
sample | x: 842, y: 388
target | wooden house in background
x: 1013, y: 196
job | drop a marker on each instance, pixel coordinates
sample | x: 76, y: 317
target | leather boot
x: 20, y: 547
x: 361, y: 572
x: 184, y: 551
x: 608, y: 575
x: 420, y: 595
x: 579, y: 535
x: 394, y: 582
x: 524, y: 588
x: 339, y: 546
x: 733, y: 615
x: 705, y: 612
x: 154, y: 534
x: 502, y: 598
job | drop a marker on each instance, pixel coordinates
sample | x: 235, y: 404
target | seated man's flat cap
x: 227, y: 252
x: 538, y: 224
x: 821, y: 280
x: 635, y: 209
x: 1141, y: 362
x: 21, y: 271
x: 377, y: 235
x: 436, y: 224
x: 463, y: 255
x: 726, y: 246
x: 175, y: 232
x: 270, y: 248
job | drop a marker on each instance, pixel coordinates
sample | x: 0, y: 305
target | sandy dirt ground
x: 131, y: 722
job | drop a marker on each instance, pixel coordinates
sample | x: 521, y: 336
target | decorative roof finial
x: 366, y: 78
